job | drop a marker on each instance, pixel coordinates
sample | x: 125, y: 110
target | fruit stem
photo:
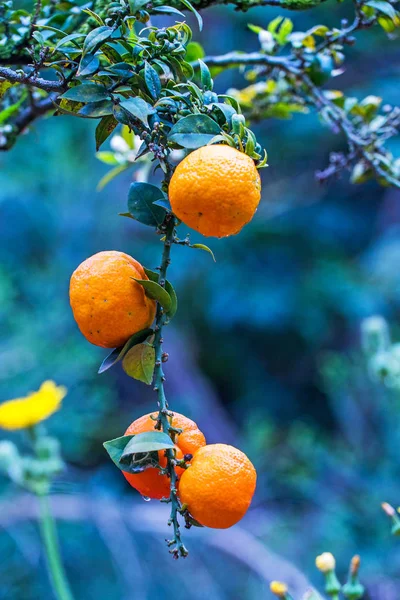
x: 163, y: 421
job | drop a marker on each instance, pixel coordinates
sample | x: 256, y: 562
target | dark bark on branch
x: 32, y: 80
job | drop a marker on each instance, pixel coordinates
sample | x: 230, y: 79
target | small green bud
x: 238, y: 123
x: 172, y: 33
x: 210, y: 97
x: 361, y: 173
x: 250, y: 146
x: 353, y: 590
x: 143, y: 16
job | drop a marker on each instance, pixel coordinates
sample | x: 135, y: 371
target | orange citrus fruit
x: 218, y: 486
x: 108, y: 305
x: 215, y: 190
x: 150, y: 483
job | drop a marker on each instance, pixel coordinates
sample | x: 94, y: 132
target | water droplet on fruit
x: 146, y: 498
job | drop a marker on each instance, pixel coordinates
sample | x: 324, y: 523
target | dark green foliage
x: 141, y: 204
x: 135, y: 453
x: 119, y: 353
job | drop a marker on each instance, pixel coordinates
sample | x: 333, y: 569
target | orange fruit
x: 215, y: 190
x: 218, y: 486
x: 150, y: 483
x: 108, y: 305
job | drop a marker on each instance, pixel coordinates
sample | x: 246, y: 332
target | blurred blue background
x: 264, y: 354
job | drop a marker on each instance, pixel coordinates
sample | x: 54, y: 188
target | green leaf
x: 255, y: 28
x: 191, y: 521
x: 194, y: 11
x: 164, y: 203
x: 152, y: 80
x: 174, y: 299
x: 383, y: 7
x: 156, y: 292
x: 94, y: 15
x: 38, y: 37
x: 138, y: 108
x: 118, y: 353
x: 205, y: 76
x: 194, y: 131
x: 86, y: 92
x: 88, y: 65
x: 139, y: 362
x: 153, y: 276
x: 96, y: 38
x: 168, y: 9
x: 136, y: 460
x: 4, y: 86
x: 104, y: 129
x: 274, y: 24
x: 284, y: 31
x: 122, y: 69
x: 97, y: 109
x: 136, y: 5
x: 141, y: 205
x: 69, y: 38
x: 13, y: 108
x: 205, y: 248
x: 387, y: 24
x: 116, y: 447
x: 108, y: 158
x: 148, y: 441
x: 226, y: 109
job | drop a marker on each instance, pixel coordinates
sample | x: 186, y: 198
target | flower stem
x: 163, y: 421
x: 50, y: 541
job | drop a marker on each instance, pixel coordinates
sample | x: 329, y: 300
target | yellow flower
x: 278, y: 588
x: 325, y: 562
x: 35, y: 407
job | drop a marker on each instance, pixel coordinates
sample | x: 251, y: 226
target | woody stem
x: 163, y: 421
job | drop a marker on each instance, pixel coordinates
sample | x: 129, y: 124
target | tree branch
x: 361, y: 144
x: 237, y: 59
x: 32, y: 80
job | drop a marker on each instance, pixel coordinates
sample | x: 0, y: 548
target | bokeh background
x: 264, y: 353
